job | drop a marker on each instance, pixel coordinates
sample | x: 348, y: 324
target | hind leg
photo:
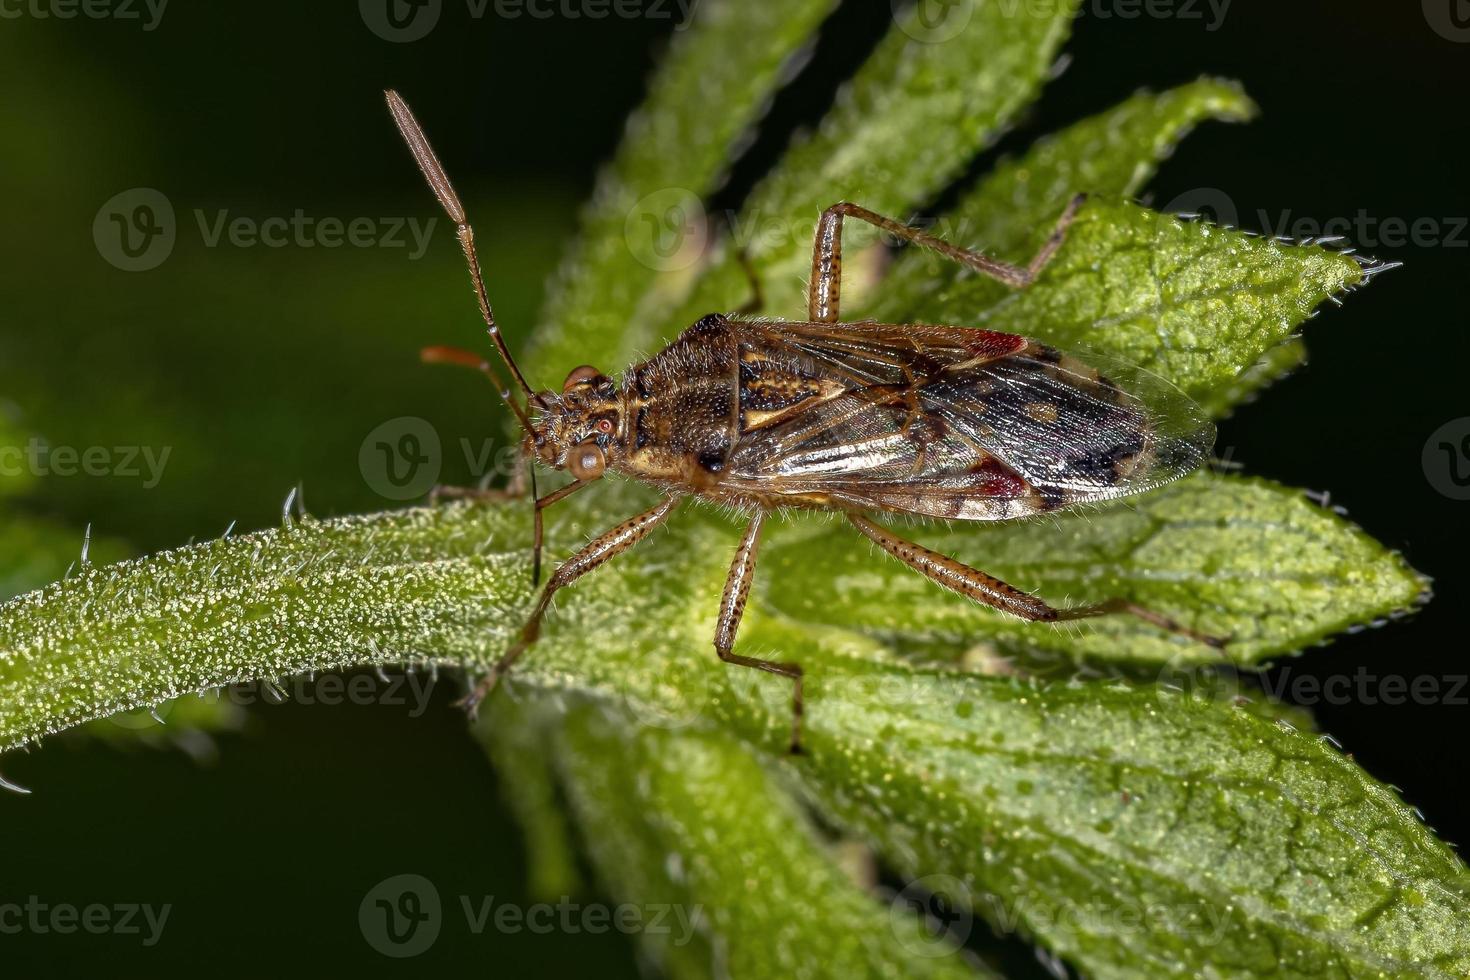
x: 991, y: 591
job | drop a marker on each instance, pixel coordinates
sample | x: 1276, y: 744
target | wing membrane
x: 962, y: 423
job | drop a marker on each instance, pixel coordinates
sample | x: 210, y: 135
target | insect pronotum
x: 763, y: 414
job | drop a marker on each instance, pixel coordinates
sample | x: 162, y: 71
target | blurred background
x: 259, y: 366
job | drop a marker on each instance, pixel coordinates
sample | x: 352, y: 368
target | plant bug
x: 763, y: 415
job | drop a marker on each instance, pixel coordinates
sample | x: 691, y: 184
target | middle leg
x: 732, y: 607
x: 824, y: 295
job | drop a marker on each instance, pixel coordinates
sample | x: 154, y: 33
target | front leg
x: 732, y: 607
x: 606, y: 546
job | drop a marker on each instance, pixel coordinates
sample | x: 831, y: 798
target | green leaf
x: 674, y: 152
x: 1240, y: 558
x: 1011, y: 212
x: 308, y: 597
x: 35, y: 551
x: 1128, y: 828
x: 1277, y: 362
x: 1225, y: 555
x: 933, y: 94
x: 674, y: 820
x: 515, y: 733
x: 1191, y: 302
x: 1138, y: 832
x: 974, y: 774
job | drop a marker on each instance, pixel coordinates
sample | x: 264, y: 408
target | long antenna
x: 423, y: 154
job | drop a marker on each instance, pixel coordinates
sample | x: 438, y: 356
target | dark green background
x: 264, y: 367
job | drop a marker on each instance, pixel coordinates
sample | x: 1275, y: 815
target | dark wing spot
x: 998, y: 479
x: 1052, y: 499
x: 1108, y: 465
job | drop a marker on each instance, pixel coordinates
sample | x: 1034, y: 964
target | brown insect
x: 764, y: 414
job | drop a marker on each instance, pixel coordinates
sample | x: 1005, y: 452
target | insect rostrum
x: 763, y: 414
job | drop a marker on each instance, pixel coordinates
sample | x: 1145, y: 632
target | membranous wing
x: 950, y: 421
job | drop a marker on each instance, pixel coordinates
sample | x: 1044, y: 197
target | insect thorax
x: 681, y: 409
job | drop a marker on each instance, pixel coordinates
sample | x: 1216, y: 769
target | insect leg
x: 607, y: 545
x: 991, y: 591
x: 732, y: 607
x: 824, y: 297
x: 1141, y: 612
x: 541, y: 504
